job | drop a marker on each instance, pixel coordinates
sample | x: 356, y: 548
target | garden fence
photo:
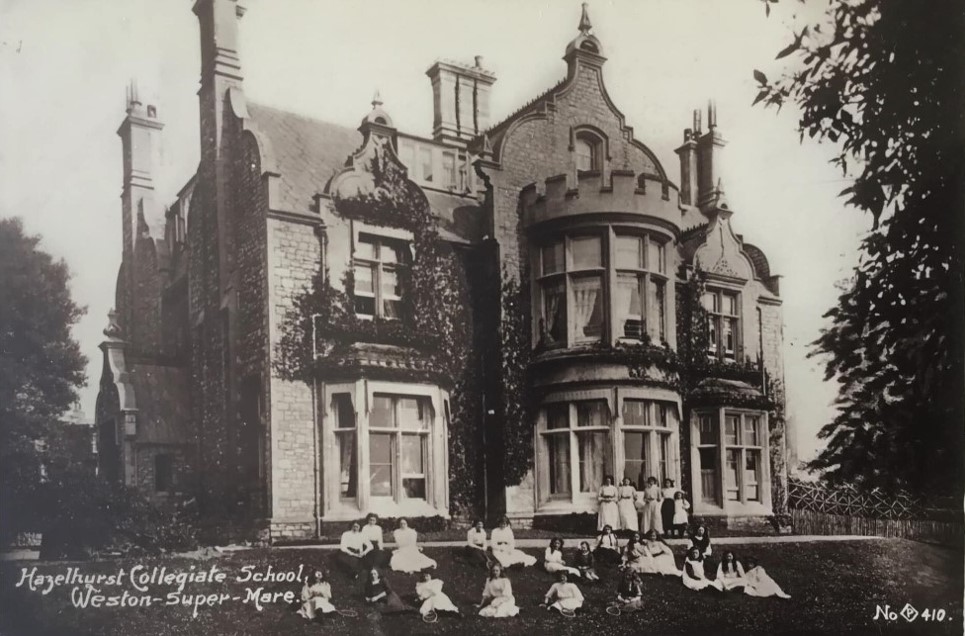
x: 819, y: 509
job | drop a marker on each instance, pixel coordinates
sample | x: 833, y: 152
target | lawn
x: 835, y: 588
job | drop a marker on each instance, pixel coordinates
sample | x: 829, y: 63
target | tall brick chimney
x: 460, y: 100
x: 140, y: 142
x: 688, y: 163
x: 710, y: 147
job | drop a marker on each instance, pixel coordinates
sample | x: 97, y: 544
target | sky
x: 64, y: 66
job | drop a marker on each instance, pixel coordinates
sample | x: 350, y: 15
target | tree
x: 41, y: 366
x: 884, y: 80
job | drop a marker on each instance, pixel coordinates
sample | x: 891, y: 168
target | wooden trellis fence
x: 818, y: 509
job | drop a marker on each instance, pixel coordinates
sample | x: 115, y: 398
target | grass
x: 835, y: 588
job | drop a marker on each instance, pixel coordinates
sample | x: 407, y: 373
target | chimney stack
x: 710, y: 147
x: 460, y: 99
x: 140, y: 134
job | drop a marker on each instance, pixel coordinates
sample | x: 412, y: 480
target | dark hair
x: 585, y: 543
x: 666, y: 479
x: 651, y: 478
x: 605, y: 528
x: 371, y: 515
x: 503, y: 520
x: 556, y: 541
x: 562, y: 575
x: 492, y: 570
x: 700, y: 555
x: 606, y: 477
x: 477, y: 522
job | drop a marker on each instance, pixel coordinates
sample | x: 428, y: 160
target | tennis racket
x: 568, y: 612
x: 614, y: 610
x: 347, y: 613
x: 430, y: 617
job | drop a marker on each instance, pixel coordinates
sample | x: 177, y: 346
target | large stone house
x: 613, y: 322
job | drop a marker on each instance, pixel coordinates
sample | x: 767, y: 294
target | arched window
x: 587, y: 150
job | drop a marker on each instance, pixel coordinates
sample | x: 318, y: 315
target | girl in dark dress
x: 607, y: 547
x: 700, y: 539
x: 378, y: 590
x: 585, y: 563
x: 667, y: 506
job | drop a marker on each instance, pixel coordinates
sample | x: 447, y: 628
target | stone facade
x: 208, y: 291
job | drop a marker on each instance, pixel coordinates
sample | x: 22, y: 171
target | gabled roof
x: 307, y: 152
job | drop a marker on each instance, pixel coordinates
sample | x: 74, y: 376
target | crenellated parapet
x: 626, y: 196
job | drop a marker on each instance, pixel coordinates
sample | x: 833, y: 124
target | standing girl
x: 553, y: 559
x: 585, y: 563
x: 504, y: 547
x: 497, y: 597
x: 650, y: 515
x: 609, y: 514
x: 680, y: 516
x: 607, y: 547
x: 626, y: 504
x: 667, y: 505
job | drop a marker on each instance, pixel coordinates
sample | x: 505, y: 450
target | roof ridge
x: 495, y: 128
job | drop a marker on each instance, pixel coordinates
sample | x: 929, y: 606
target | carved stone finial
x: 112, y: 330
x: 585, y: 24
x: 376, y: 99
x: 487, y: 147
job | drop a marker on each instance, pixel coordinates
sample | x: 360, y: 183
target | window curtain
x: 559, y: 460
x: 589, y: 315
x: 555, y: 323
x: 594, y: 462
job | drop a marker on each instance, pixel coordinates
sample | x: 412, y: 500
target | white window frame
x: 379, y: 237
x: 717, y: 317
x: 722, y: 503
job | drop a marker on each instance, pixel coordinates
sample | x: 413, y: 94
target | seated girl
x: 630, y: 592
x: 585, y: 563
x: 378, y: 590
x: 316, y: 596
x: 700, y: 539
x: 607, y: 547
x: 563, y: 595
x: 662, y: 555
x: 758, y: 583
x: 504, y: 547
x: 553, y: 559
x: 378, y: 557
x: 476, y: 544
x: 353, y: 550
x: 408, y: 557
x: 693, y: 576
x: 730, y: 572
x: 497, y: 597
x: 429, y: 591
x: 636, y: 556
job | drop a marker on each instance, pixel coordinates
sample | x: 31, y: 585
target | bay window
x: 377, y: 265
x: 346, y: 441
x: 731, y: 457
x: 586, y: 281
x: 580, y: 441
x: 398, y: 447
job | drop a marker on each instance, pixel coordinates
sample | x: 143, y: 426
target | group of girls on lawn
x: 361, y: 553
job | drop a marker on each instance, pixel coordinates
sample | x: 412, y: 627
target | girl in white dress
x: 316, y: 596
x: 758, y: 583
x: 650, y: 514
x: 694, y: 577
x: 626, y: 498
x: 553, y: 559
x: 497, y: 596
x: 680, y: 515
x: 607, y: 547
x: 353, y: 550
x: 378, y: 556
x: 636, y: 556
x: 563, y: 596
x: 609, y: 513
x: 662, y: 555
x: 429, y: 591
x: 408, y: 557
x: 730, y: 572
x: 504, y: 547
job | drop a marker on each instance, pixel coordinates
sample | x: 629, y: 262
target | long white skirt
x: 314, y: 605
x: 664, y: 563
x: 567, y: 603
x: 628, y: 516
x: 410, y: 559
x: 732, y: 582
x: 500, y: 608
x: 509, y: 558
x: 758, y: 583
x: 651, y: 519
x: 438, y: 602
x: 700, y: 584
x: 553, y: 567
x: 608, y: 515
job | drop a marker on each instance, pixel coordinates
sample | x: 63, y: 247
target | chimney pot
x: 479, y: 61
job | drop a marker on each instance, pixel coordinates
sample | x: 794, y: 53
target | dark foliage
x: 884, y: 80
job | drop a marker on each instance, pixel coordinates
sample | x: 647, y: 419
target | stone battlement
x: 626, y: 193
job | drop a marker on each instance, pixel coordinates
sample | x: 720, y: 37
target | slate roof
x: 163, y: 404
x: 308, y: 152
